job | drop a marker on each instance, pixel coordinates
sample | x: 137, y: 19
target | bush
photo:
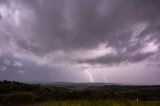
x: 19, y: 97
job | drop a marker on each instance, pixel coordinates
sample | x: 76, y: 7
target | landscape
x: 79, y: 52
x: 77, y: 94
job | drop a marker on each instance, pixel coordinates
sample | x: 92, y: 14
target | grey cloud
x: 30, y: 71
x: 58, y: 40
x: 112, y: 60
x: 89, y: 28
x: 70, y: 25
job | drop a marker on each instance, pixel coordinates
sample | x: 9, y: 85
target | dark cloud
x: 75, y: 24
x: 89, y: 28
x: 68, y: 33
x: 112, y: 60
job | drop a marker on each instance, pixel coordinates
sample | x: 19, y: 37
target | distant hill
x: 11, y: 91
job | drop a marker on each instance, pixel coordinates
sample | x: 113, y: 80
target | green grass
x: 98, y: 103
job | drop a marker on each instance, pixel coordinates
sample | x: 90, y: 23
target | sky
x: 110, y: 41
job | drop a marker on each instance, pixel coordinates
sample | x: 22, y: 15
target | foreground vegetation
x: 12, y: 92
x: 99, y: 103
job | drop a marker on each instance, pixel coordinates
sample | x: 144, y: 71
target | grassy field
x: 98, y: 103
x: 68, y: 94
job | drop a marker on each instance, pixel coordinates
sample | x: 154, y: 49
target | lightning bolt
x: 90, y: 75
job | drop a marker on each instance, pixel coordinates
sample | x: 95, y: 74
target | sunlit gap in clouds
x: 89, y: 75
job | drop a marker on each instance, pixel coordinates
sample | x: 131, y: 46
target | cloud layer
x: 76, y: 34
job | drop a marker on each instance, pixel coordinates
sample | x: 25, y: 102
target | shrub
x: 18, y: 97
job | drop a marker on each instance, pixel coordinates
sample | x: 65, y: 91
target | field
x: 77, y: 94
x: 99, y: 103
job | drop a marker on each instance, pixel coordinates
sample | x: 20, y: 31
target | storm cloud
x: 78, y: 35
